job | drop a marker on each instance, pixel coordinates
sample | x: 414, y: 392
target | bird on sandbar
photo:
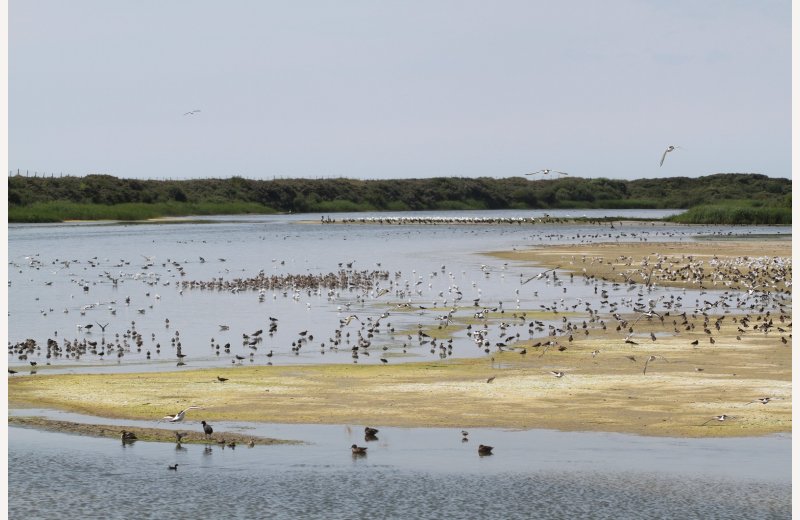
x: 207, y: 429
x: 178, y: 417
x: 179, y: 436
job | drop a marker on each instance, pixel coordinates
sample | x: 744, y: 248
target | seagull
x: 178, y: 417
x: 763, y: 400
x: 649, y: 359
x: 669, y: 149
x: 192, y: 112
x: 547, y: 171
x: 540, y: 275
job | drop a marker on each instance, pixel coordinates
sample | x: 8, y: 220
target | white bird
x: 547, y: 171
x: 669, y: 149
x: 178, y: 417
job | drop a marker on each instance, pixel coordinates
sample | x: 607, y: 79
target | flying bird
x: 664, y: 156
x: 178, y: 417
x: 547, y: 171
x: 192, y: 112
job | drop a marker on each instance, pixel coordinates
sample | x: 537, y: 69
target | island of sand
x: 666, y: 373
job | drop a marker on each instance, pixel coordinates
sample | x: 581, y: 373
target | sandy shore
x: 602, y: 389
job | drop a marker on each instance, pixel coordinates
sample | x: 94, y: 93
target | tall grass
x: 59, y: 211
x: 735, y: 214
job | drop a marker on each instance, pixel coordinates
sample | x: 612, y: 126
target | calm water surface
x: 60, y: 281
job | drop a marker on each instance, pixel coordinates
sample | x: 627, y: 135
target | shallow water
x: 407, y: 473
x: 60, y: 282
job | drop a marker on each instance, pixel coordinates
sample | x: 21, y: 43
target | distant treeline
x: 47, y: 198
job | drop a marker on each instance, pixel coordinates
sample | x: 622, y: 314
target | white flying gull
x: 664, y: 156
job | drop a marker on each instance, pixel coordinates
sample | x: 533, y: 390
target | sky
x: 399, y: 88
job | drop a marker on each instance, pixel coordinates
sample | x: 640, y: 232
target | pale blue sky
x: 399, y: 89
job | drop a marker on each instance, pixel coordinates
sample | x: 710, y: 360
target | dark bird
x: 484, y: 450
x: 490, y: 379
x: 127, y: 436
x: 12, y: 371
x: 207, y: 429
x: 370, y: 431
x: 358, y: 450
x: 179, y: 436
x: 222, y: 379
x: 174, y: 468
x: 102, y: 327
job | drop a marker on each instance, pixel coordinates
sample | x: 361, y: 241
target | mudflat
x: 675, y: 375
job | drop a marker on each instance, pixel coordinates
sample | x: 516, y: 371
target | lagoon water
x: 60, y: 280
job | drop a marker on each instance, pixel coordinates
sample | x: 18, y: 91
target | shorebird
x: 485, y: 450
x: 207, y: 429
x: 127, y: 436
x: 720, y: 418
x: 178, y: 417
x: 358, y: 450
x: 763, y: 400
x: 664, y: 156
x: 222, y: 379
x: 557, y: 373
x: 649, y: 359
x: 490, y: 379
x: 540, y: 275
x: 179, y: 436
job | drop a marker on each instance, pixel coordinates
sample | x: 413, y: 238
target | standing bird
x: 207, y: 429
x: 178, y: 417
x: 669, y: 149
x: 222, y: 379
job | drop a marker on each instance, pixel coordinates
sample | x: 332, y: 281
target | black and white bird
x: 547, y: 171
